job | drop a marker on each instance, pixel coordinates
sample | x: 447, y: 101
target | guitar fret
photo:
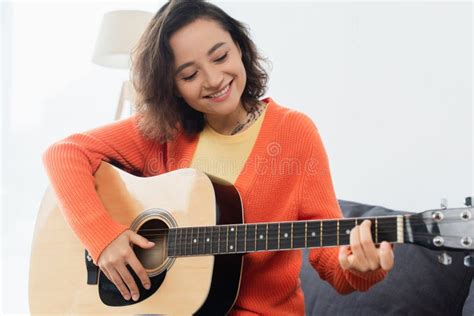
x: 176, y: 252
x: 299, y: 235
x: 197, y: 243
x: 240, y: 236
x: 227, y: 239
x: 285, y: 236
x: 306, y: 234
x: 279, y: 236
x: 266, y: 238
x: 210, y: 231
x: 207, y: 241
x: 169, y: 241
x: 345, y: 227
x: 291, y: 239
x: 202, y: 239
x: 272, y: 236
x: 312, y: 234
x: 231, y: 239
x: 186, y: 241
x: 245, y: 239
x: 255, y: 237
x: 390, y: 228
x: 216, y: 238
x: 321, y: 234
x: 189, y: 242
x: 223, y: 239
x: 235, y: 238
x: 181, y: 243
x: 262, y: 237
x: 250, y: 239
x: 171, y: 251
x: 330, y: 231
x: 194, y: 244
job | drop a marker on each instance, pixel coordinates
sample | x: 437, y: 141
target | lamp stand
x: 127, y: 95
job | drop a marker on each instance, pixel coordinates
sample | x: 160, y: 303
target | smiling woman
x: 214, y: 80
x: 206, y: 50
x: 199, y: 81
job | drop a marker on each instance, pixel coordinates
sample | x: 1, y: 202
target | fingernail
x: 135, y: 297
x: 127, y: 297
x: 147, y: 286
x: 151, y: 243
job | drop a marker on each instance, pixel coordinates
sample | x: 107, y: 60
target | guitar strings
x: 381, y: 226
x: 189, y: 242
x: 412, y: 221
x: 298, y: 235
x: 186, y: 247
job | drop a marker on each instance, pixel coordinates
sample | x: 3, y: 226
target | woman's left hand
x: 362, y: 255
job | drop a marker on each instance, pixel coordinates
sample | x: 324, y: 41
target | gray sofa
x: 417, y: 285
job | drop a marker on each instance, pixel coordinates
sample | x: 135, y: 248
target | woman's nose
x: 214, y: 78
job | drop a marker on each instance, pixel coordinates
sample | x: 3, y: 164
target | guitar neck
x: 277, y: 236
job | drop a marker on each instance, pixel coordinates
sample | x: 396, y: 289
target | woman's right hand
x: 114, y: 259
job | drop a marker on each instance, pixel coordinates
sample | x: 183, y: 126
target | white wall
x: 388, y: 84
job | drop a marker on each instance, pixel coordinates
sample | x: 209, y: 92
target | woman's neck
x: 236, y: 122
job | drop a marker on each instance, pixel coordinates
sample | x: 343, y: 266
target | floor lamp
x: 119, y: 33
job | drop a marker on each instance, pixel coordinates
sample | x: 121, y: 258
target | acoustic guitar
x: 196, y: 222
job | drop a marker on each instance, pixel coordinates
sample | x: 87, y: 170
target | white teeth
x: 221, y: 93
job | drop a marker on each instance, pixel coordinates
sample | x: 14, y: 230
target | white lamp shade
x: 119, y: 33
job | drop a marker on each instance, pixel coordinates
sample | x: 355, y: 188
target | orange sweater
x: 285, y: 178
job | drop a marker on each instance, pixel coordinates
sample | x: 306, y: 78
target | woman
x: 198, y: 80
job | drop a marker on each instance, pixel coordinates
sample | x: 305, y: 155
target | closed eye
x: 188, y: 78
x: 223, y: 57
x: 218, y: 60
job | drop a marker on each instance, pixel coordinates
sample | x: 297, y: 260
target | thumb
x: 344, y: 262
x: 140, y: 241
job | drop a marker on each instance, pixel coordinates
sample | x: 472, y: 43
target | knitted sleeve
x: 70, y: 165
x: 318, y: 201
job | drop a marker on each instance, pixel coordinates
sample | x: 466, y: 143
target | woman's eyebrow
x: 214, y: 48
x: 209, y: 52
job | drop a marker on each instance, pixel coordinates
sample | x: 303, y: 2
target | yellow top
x: 224, y: 156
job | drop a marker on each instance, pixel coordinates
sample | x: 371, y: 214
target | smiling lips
x: 221, y: 95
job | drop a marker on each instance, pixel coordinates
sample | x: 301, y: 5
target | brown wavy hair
x: 162, y: 113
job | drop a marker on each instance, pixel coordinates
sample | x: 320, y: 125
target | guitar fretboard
x: 244, y: 238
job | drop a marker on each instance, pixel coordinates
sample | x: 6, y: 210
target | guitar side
x: 57, y: 282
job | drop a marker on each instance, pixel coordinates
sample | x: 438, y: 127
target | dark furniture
x: 417, y: 285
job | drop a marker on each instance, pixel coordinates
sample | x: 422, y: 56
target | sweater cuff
x: 105, y: 231
x: 362, y: 281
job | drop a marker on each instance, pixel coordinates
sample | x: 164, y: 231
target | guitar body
x: 197, y: 225
x: 180, y: 286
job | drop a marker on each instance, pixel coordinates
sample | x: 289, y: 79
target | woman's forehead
x: 197, y: 38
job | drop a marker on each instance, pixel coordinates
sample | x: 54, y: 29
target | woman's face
x: 209, y: 73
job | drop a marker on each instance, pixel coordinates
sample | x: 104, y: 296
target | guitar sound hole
x: 156, y: 231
